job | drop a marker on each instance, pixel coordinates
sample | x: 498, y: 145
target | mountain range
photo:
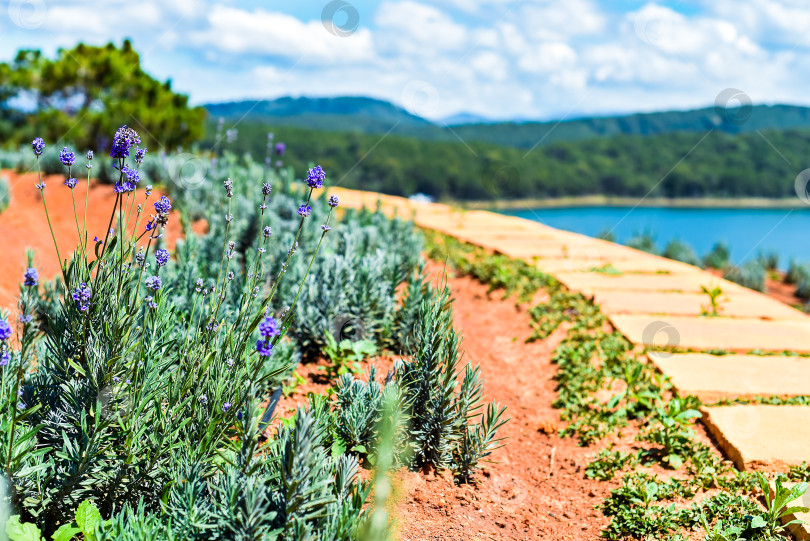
x: 373, y: 116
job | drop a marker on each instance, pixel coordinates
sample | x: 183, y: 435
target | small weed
x: 714, y: 307
x: 670, y: 428
x: 345, y: 356
x: 607, y: 464
x: 776, y: 506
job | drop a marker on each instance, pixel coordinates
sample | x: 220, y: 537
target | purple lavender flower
x: 162, y: 208
x: 333, y: 201
x: 304, y: 210
x: 268, y: 329
x: 5, y: 330
x: 148, y: 190
x: 67, y: 157
x: 140, y: 154
x: 140, y: 258
x: 267, y: 232
x: 266, y: 189
x: 162, y: 257
x: 38, y: 145
x: 326, y: 228
x: 71, y: 183
x: 31, y: 277
x: 27, y: 318
x: 82, y: 295
x: 225, y: 407
x: 315, y: 177
x: 153, y: 282
x: 133, y: 178
x: 5, y: 357
x: 89, y: 156
x: 150, y: 302
x: 125, y: 138
x: 264, y: 348
x: 96, y: 239
x: 228, y: 187
x: 40, y: 185
x: 280, y: 149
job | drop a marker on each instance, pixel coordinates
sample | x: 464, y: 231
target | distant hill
x: 464, y: 118
x: 349, y: 114
x: 372, y: 116
x: 732, y: 121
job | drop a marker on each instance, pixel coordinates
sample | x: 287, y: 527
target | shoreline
x: 611, y: 201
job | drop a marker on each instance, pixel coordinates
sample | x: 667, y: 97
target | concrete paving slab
x: 590, y: 283
x: 715, y: 377
x: 711, y: 333
x: 756, y: 437
x: 636, y: 265
x: 735, y: 304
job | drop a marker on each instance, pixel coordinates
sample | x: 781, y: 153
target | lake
x: 745, y: 231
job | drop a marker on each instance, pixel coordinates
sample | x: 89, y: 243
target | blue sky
x: 538, y: 59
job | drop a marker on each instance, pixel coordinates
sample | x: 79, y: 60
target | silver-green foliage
x: 5, y: 193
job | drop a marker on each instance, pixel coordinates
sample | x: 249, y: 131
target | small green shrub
x: 680, y: 251
x: 644, y: 242
x: 718, y: 257
x: 5, y: 193
x: 751, y: 275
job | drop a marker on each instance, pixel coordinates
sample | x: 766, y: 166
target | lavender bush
x: 147, y: 402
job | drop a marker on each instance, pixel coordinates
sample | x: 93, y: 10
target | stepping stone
x: 757, y: 437
x: 712, y: 333
x: 584, y: 252
x: 590, y: 283
x: 636, y: 265
x: 715, y: 377
x: 737, y: 304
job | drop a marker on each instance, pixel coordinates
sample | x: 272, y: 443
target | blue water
x: 745, y: 231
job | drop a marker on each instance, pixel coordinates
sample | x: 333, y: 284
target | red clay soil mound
x: 23, y: 226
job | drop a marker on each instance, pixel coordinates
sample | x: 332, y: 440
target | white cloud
x: 548, y: 57
x: 417, y: 29
x: 258, y: 32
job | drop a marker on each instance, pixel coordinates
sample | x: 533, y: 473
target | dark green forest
x: 681, y: 164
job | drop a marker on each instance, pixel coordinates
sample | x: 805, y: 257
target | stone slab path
x: 657, y: 304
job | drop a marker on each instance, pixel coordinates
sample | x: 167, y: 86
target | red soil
x: 23, y: 226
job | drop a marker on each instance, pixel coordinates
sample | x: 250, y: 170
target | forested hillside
x: 712, y: 164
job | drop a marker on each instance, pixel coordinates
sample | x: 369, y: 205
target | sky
x: 499, y: 59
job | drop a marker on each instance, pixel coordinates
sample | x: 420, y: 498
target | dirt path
x: 537, y: 488
x: 23, y: 226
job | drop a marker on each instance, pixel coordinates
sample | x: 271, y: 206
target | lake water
x: 745, y: 231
